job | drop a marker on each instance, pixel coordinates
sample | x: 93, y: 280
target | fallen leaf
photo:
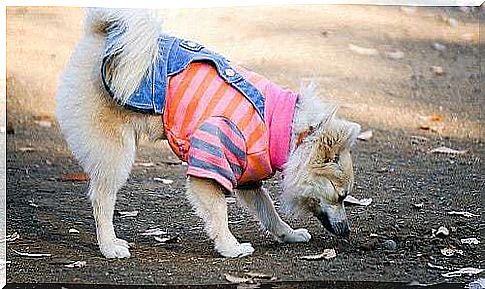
x: 363, y: 50
x: 327, y: 254
x: 463, y: 271
x: 34, y: 255
x: 448, y: 252
x: 441, y: 232
x: 75, y: 177
x: 43, y: 123
x: 373, y: 235
x: 235, y: 279
x: 166, y: 240
x: 11, y: 237
x: 77, y: 264
x: 438, y: 46
x: 438, y: 70
x: 419, y: 205
x: 73, y: 231
x: 154, y: 232
x: 366, y: 135
x: 471, y: 241
x: 164, y: 181
x: 128, y: 214
x: 432, y: 266
x: 32, y: 204
x: 257, y: 275
x: 26, y: 149
x: 447, y: 150
x: 464, y: 214
x: 353, y: 201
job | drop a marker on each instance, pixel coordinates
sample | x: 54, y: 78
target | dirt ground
x: 376, y: 62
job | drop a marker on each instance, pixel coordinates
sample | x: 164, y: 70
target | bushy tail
x: 136, y: 48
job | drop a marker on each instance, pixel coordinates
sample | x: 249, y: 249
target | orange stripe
x: 257, y: 133
x: 187, y: 77
x: 221, y: 90
x: 194, y: 103
x: 243, y: 123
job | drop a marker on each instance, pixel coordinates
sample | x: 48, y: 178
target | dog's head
x: 319, y: 172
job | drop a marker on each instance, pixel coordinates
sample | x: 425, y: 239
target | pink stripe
x: 209, y: 138
x: 211, y: 159
x: 210, y: 175
x: 250, y: 129
x: 187, y: 97
x: 241, y: 110
x: 225, y: 100
x: 202, y: 105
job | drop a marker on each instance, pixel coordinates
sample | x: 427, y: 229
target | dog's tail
x: 135, y: 49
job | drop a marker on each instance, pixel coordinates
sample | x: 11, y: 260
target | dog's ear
x: 352, y: 131
x: 329, y: 115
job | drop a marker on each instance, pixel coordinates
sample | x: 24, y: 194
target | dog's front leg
x: 208, y: 200
x: 260, y: 204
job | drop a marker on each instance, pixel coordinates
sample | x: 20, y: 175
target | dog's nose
x: 341, y: 229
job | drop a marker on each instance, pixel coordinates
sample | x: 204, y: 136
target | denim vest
x: 174, y: 55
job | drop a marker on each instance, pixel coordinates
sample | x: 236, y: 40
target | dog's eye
x: 336, y: 158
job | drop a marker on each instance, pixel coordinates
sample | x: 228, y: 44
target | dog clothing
x: 229, y: 124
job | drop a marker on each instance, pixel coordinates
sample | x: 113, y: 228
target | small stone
x: 389, y: 245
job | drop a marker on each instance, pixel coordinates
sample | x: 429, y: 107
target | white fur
x: 103, y: 136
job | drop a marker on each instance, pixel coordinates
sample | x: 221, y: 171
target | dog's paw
x: 118, y: 248
x: 296, y: 236
x: 236, y: 251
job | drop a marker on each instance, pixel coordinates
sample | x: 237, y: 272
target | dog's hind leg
x: 260, y: 204
x: 208, y: 200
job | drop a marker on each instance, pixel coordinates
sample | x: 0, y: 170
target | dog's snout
x: 341, y: 229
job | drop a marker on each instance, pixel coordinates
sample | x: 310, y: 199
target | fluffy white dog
x: 126, y: 78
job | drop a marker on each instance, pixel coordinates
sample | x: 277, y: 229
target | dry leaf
x: 73, y: 231
x: 235, y: 279
x: 26, y: 149
x: 164, y: 181
x: 438, y: 70
x: 11, y: 237
x: 448, y: 252
x: 366, y: 135
x: 436, y: 266
x: 327, y: 254
x: 257, y: 275
x: 463, y: 271
x: 363, y: 50
x: 464, y: 214
x: 154, y: 232
x: 43, y: 123
x: 447, y: 150
x: 353, y: 201
x: 34, y: 255
x: 442, y: 232
x: 128, y: 214
x: 75, y: 177
x: 438, y: 46
x: 77, y: 264
x: 471, y: 241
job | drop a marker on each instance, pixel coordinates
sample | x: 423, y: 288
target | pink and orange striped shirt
x: 218, y: 132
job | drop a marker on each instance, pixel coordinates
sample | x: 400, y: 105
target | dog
x: 126, y: 79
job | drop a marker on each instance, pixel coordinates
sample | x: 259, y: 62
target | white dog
x: 126, y: 78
